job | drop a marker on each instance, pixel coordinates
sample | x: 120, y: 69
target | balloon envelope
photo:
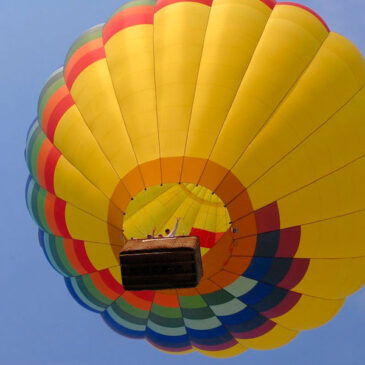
x: 243, y: 117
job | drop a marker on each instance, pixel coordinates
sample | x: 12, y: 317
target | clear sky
x: 39, y: 321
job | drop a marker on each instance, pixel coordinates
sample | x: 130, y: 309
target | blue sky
x: 39, y: 321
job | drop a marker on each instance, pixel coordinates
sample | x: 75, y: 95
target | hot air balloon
x: 243, y: 117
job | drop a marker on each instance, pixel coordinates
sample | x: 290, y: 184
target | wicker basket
x: 161, y: 263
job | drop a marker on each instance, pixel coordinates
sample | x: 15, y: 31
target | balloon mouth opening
x: 155, y: 210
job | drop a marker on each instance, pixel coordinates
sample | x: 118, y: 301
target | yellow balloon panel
x: 334, y: 238
x: 188, y: 210
x: 333, y: 278
x: 335, y: 144
x: 71, y: 186
x: 223, y: 354
x: 284, y: 51
x: 339, y: 193
x: 174, y: 353
x: 206, y: 218
x: 116, y: 273
x: 277, y: 337
x: 86, y: 227
x: 223, y: 220
x: 75, y: 141
x: 309, y: 313
x: 233, y: 31
x: 145, y: 197
x: 335, y: 76
x: 155, y: 214
x: 94, y: 96
x: 129, y: 54
x: 102, y: 256
x: 179, y: 31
